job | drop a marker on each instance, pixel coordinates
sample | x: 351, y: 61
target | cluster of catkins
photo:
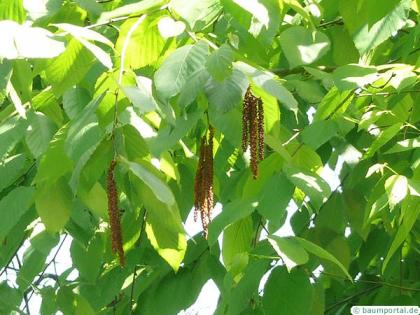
x: 114, y: 214
x: 253, y: 129
x: 203, y: 185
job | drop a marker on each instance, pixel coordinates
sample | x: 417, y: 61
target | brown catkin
x: 260, y: 130
x: 245, y: 120
x: 203, y: 183
x: 114, y: 214
x: 198, y: 181
x: 209, y: 172
x: 254, y: 141
x: 253, y: 129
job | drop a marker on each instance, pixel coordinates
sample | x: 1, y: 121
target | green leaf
x: 141, y: 95
x: 38, y: 136
x: 13, y: 206
x: 219, y: 63
x: 333, y: 104
x: 290, y: 250
x: 6, y: 69
x: 182, y: 289
x: 386, y: 135
x: 396, y: 187
x: 175, y: 71
x: 237, y: 241
x: 322, y: 253
x: 69, y: 68
x: 247, y: 288
x: 49, y: 304
x: 414, y: 187
x: 54, y: 163
x: 24, y: 41
x: 196, y: 84
x: 88, y: 260
x: 83, y: 307
x: 411, y: 210
x: 164, y: 229
x: 159, y: 188
x: 53, y: 203
x: 37, y: 10
x: 11, y: 131
x: 84, y: 131
x: 74, y: 100
x: 12, y: 10
x: 232, y: 212
x: 11, y: 169
x: 34, y: 259
x: 295, y: 5
x: 405, y: 145
x: 9, y: 298
x: 319, y: 132
x: 275, y: 196
x: 223, y: 96
x: 302, y: 46
x: 271, y: 110
x: 287, y: 293
x: 21, y: 79
x: 132, y: 8
x: 313, y: 185
x: 169, y: 135
x: 269, y: 83
x: 198, y: 14
x: 145, y: 45
x: 305, y: 158
x: 136, y: 146
x: 367, y: 37
x: 258, y: 10
x: 352, y: 76
x: 83, y: 33
x: 47, y: 103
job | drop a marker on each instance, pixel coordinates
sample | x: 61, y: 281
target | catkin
x: 203, y: 183
x: 261, y: 139
x: 114, y: 214
x: 253, y: 129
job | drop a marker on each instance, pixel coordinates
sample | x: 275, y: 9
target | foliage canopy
x: 85, y: 82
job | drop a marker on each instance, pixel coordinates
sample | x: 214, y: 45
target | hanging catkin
x: 114, y: 214
x: 203, y: 184
x: 261, y: 139
x: 253, y: 129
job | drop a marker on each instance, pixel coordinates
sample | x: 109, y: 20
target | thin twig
x: 13, y: 256
x: 386, y: 93
x: 298, y: 70
x: 338, y: 21
x: 132, y: 290
x: 52, y: 259
x: 387, y: 284
x: 348, y: 299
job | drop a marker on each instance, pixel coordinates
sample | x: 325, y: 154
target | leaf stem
x: 125, y: 45
x: 132, y: 290
x: 386, y: 93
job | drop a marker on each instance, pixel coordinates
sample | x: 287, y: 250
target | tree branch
x: 15, y: 253
x: 50, y: 262
x: 348, y: 299
x: 298, y: 70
